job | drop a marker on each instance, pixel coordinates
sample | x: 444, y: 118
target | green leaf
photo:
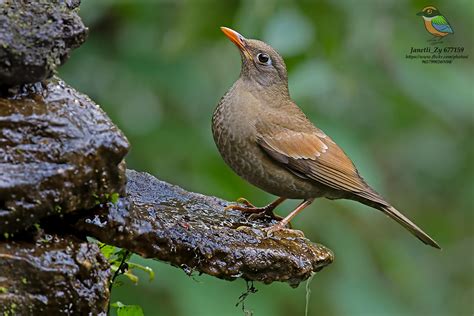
x: 127, y: 310
x: 114, y: 197
x: 132, y: 277
x: 148, y: 270
x: 116, y: 256
x: 107, y: 250
x: 123, y: 253
x: 130, y: 310
x: 117, y: 304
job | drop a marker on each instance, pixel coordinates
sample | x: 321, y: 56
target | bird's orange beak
x: 238, y: 40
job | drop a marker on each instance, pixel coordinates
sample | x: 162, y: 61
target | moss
x: 11, y: 310
x: 106, y: 198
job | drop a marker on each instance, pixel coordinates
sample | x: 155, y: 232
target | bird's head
x: 261, y: 64
x: 428, y: 12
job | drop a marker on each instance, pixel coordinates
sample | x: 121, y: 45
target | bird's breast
x: 234, y: 131
x: 233, y: 127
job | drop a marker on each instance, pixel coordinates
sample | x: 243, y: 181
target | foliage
x: 106, y: 197
x: 127, y: 310
x: 120, y: 264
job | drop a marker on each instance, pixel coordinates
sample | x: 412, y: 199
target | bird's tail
x: 409, y: 225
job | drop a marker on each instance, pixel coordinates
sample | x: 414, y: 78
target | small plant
x: 127, y: 310
x: 106, y: 197
x: 251, y: 289
x: 120, y: 264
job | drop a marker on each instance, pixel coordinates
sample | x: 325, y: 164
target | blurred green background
x: 159, y: 68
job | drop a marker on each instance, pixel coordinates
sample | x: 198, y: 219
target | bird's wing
x: 313, y: 155
x: 441, y: 24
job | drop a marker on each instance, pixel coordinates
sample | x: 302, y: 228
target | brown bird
x: 267, y: 140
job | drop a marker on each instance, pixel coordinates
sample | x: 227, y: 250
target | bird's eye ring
x: 264, y: 59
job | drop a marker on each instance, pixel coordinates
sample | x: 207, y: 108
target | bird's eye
x: 429, y: 11
x: 264, y: 59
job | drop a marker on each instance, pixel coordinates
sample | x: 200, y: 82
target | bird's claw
x: 269, y: 231
x: 249, y: 207
x: 244, y: 209
x: 256, y: 212
x: 265, y: 213
x: 272, y: 229
x: 246, y: 202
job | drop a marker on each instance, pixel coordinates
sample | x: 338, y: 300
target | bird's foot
x: 272, y: 229
x: 265, y: 213
x: 286, y: 221
x: 248, y: 208
x: 246, y: 202
x: 281, y: 226
x: 256, y: 212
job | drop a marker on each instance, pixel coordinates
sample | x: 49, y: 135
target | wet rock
x: 192, y: 231
x: 52, y: 275
x: 36, y: 37
x: 59, y: 152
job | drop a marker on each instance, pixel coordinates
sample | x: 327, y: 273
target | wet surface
x: 36, y: 37
x: 192, y: 231
x: 52, y: 275
x: 59, y: 152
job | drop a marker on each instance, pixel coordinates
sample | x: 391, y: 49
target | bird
x: 266, y: 139
x: 435, y: 23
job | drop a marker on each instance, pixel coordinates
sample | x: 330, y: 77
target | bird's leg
x: 282, y: 224
x: 257, y: 211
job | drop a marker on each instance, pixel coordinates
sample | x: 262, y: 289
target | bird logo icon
x: 435, y: 23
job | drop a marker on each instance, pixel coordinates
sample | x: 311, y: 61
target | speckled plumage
x: 234, y: 130
x: 267, y: 140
